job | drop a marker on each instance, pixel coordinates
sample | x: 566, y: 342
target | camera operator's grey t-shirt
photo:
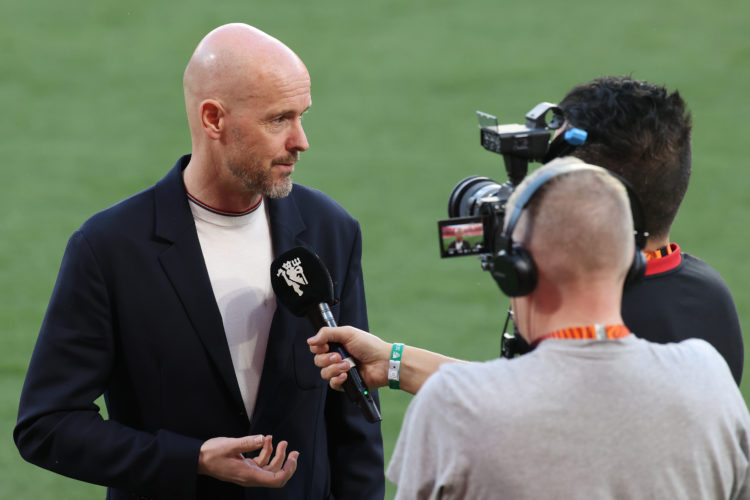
x: 611, y: 419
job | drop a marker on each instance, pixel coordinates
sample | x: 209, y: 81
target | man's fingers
x: 278, y: 458
x: 279, y: 478
x: 238, y: 446
x: 289, y: 467
x: 222, y: 458
x: 274, y: 478
x: 265, y: 453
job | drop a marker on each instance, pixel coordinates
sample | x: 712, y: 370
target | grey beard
x: 280, y: 189
x: 262, y: 183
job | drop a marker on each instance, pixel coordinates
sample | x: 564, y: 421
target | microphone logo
x: 293, y: 275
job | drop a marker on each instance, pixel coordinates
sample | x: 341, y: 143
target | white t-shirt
x: 238, y: 254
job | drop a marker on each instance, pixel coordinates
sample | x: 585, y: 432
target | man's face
x: 265, y: 133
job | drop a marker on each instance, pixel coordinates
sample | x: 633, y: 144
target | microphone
x: 303, y: 285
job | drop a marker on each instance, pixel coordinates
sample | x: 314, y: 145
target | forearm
x: 417, y: 365
x: 60, y: 427
x: 373, y: 357
x: 104, y: 452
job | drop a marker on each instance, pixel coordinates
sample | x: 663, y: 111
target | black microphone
x: 303, y: 284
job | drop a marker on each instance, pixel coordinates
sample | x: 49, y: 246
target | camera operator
x: 641, y: 132
x: 592, y: 411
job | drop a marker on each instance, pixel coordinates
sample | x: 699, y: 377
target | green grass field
x: 93, y: 111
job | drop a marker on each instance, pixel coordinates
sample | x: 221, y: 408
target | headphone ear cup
x: 514, y: 272
x: 637, y: 269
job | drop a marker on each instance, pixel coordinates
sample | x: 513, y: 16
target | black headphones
x: 513, y: 267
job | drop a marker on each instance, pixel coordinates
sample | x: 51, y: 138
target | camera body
x: 476, y: 206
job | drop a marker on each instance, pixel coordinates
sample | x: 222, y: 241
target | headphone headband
x: 513, y: 267
x: 548, y: 172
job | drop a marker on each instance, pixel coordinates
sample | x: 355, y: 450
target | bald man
x: 593, y: 411
x: 163, y: 304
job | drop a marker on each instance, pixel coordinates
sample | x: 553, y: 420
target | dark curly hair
x: 642, y: 133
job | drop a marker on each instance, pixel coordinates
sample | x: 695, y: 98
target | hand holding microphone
x: 371, y: 352
x: 303, y: 284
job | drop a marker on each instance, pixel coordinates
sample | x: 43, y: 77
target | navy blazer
x: 133, y: 316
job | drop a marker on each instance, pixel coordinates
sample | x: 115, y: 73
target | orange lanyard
x: 600, y: 332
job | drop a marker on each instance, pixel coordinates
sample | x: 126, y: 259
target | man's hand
x: 222, y: 459
x: 371, y: 353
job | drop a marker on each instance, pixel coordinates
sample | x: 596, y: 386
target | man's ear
x: 212, y: 118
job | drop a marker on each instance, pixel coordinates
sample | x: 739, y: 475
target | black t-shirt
x: 683, y: 297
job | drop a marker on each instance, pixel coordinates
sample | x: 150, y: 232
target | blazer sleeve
x: 355, y: 445
x: 59, y: 425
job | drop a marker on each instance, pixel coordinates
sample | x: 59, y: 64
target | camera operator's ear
x: 514, y: 271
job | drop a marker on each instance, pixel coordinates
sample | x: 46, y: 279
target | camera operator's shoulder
x: 699, y: 347
x: 693, y: 352
x: 314, y: 203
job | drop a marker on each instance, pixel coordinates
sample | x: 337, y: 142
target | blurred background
x: 92, y: 108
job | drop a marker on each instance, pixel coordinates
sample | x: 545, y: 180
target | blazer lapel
x: 287, y: 226
x: 183, y: 263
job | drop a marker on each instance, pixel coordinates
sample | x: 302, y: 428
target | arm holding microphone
x: 373, y: 357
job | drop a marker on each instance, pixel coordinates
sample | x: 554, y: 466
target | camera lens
x: 465, y: 197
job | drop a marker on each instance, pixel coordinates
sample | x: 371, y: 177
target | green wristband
x: 394, y: 366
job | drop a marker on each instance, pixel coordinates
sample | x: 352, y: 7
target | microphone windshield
x: 301, y: 281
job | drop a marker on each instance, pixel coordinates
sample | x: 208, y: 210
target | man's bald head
x: 578, y: 226
x: 235, y: 62
x: 245, y: 94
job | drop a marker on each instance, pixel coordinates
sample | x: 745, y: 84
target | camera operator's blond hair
x: 578, y: 228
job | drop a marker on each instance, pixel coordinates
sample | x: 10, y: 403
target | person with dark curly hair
x: 642, y: 132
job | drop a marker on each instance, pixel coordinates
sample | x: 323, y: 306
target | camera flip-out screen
x: 461, y: 236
